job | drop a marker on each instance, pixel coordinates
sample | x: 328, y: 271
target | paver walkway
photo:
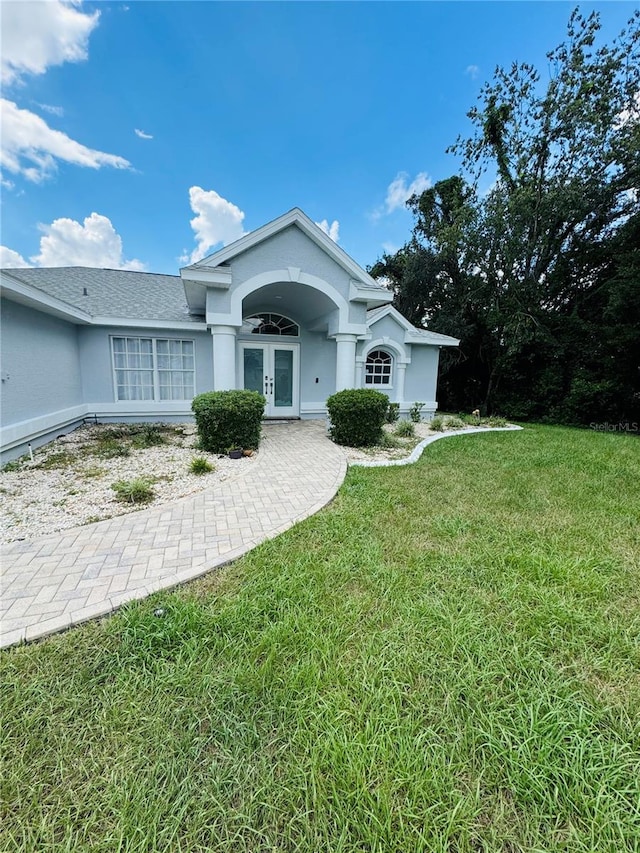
x: 53, y: 582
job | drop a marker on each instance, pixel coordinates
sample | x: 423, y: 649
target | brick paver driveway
x: 56, y: 581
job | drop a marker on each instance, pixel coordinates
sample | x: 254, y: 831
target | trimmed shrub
x: 357, y: 415
x: 437, y: 423
x: 228, y: 419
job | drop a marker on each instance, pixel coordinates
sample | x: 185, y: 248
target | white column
x: 345, y: 361
x: 359, y: 368
x: 401, y: 370
x: 224, y: 358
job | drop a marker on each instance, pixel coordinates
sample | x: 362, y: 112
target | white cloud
x: 142, y: 134
x: 37, y: 35
x: 94, y: 243
x: 472, y: 71
x: 332, y: 230
x: 31, y: 148
x: 399, y: 190
x: 630, y: 114
x: 9, y: 259
x: 217, y: 221
x: 390, y: 248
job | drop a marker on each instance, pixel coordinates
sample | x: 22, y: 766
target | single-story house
x: 283, y: 310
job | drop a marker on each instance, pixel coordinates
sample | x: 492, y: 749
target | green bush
x: 357, y: 416
x: 133, y: 491
x: 415, y: 412
x: 228, y: 419
x: 437, y: 423
x: 455, y: 423
x: 200, y: 465
x: 405, y: 429
x: 393, y: 413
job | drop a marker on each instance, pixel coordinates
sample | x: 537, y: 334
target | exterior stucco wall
x: 97, y: 372
x: 422, y: 374
x: 40, y: 364
x: 290, y: 248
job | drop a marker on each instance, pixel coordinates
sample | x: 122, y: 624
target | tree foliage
x: 538, y: 276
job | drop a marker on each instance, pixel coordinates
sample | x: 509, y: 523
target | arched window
x: 273, y: 324
x: 378, y: 368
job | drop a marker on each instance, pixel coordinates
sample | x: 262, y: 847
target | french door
x: 274, y: 371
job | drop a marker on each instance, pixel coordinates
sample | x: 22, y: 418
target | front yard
x: 445, y: 659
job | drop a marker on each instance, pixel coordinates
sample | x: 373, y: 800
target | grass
x: 446, y: 659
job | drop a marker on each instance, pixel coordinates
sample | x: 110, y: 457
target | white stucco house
x: 283, y: 311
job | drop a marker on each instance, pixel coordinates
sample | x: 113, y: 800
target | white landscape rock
x: 36, y: 501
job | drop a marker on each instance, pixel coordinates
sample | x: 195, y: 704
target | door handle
x: 271, y: 386
x: 266, y: 383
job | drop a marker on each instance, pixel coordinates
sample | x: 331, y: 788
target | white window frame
x: 155, y: 370
x: 377, y: 385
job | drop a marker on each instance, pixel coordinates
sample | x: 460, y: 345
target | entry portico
x: 290, y: 269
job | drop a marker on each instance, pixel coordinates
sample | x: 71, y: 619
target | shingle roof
x: 111, y: 293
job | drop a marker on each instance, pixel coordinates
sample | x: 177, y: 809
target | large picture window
x: 378, y: 368
x: 153, y: 368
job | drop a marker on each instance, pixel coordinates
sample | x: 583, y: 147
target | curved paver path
x: 53, y: 582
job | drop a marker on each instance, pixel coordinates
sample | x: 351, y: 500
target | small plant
x: 437, y: 424
x: 389, y: 441
x: 137, y: 491
x: 495, y: 421
x: 91, y: 472
x: 405, y: 429
x: 393, y: 413
x: 91, y: 519
x: 455, y: 423
x: 415, y: 412
x: 111, y: 448
x: 200, y: 465
x: 150, y: 435
x: 14, y: 465
x: 62, y: 459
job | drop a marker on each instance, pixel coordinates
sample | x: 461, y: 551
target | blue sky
x: 149, y: 134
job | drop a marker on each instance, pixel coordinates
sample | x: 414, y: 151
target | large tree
x: 529, y: 273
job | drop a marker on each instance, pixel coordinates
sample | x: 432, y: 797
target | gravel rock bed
x: 69, y: 481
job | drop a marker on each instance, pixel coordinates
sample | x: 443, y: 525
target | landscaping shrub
x: 405, y: 429
x: 137, y: 491
x: 393, y: 413
x: 455, y: 423
x: 200, y: 465
x: 228, y: 419
x: 357, y: 416
x: 415, y: 412
x: 437, y: 423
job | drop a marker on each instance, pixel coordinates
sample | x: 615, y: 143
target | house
x: 283, y: 311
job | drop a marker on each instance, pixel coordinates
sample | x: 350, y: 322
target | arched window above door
x: 273, y: 324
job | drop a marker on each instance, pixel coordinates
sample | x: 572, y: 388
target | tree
x: 527, y: 275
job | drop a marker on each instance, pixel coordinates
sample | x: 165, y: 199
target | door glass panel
x: 283, y: 377
x: 254, y: 370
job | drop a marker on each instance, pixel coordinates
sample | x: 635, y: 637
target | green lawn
x: 445, y: 659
